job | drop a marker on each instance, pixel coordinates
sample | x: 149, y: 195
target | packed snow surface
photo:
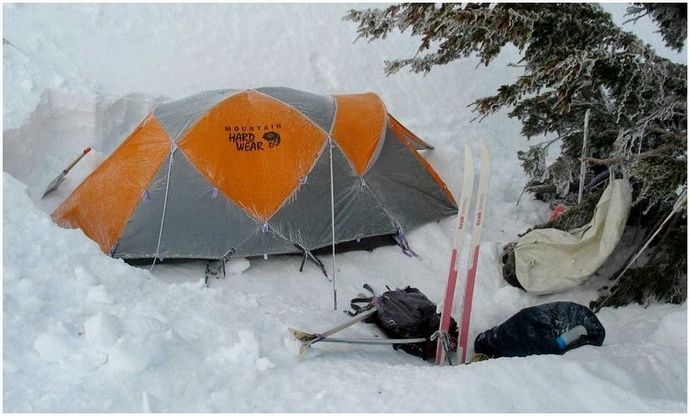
x: 85, y: 332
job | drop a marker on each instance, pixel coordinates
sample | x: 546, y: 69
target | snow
x: 237, y: 266
x: 87, y: 333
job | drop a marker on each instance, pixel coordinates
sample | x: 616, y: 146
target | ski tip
x: 468, y: 155
x: 483, y: 150
x: 87, y: 150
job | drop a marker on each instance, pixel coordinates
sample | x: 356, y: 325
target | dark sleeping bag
x: 552, y: 328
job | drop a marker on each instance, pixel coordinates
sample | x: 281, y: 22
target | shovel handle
x: 71, y: 165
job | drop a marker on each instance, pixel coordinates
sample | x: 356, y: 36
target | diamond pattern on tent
x: 305, y: 218
x: 359, y: 127
x: 317, y: 108
x: 199, y: 221
x: 406, y: 188
x: 249, y: 174
x: 105, y: 200
x: 254, y: 149
x: 178, y: 116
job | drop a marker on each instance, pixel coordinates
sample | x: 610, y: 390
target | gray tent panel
x: 199, y: 221
x: 140, y: 235
x: 317, y: 108
x: 305, y: 219
x: 177, y: 116
x: 264, y: 241
x: 404, y: 186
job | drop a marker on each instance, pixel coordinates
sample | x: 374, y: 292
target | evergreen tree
x: 575, y: 59
x: 672, y: 19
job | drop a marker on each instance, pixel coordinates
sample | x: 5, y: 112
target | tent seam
x: 393, y: 219
x: 173, y: 148
x: 294, y: 191
x: 316, y: 159
x: 382, y: 136
x: 293, y: 108
x: 190, y: 123
x: 127, y: 140
x: 198, y: 120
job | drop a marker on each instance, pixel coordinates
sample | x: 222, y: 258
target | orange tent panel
x: 404, y: 133
x: 105, y: 200
x: 255, y: 149
x: 359, y: 127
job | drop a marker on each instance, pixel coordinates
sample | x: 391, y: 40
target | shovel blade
x: 54, y: 185
x: 61, y: 177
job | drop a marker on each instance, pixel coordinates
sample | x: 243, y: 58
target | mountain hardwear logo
x: 273, y: 139
x: 244, y: 137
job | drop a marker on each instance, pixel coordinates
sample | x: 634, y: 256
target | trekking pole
x: 677, y: 206
x: 583, y: 164
x: 335, y: 295
x: 309, y: 338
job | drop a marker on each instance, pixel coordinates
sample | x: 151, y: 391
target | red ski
x: 473, y: 261
x: 458, y: 240
x: 467, y: 283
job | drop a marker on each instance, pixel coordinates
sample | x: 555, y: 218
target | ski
x: 473, y: 261
x: 458, y: 241
x: 308, y: 339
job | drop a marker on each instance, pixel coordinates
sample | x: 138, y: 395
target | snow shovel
x: 61, y: 177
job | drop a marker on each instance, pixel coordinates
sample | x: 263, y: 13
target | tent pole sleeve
x: 165, y: 205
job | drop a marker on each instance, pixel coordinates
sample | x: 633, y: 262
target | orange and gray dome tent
x: 231, y: 173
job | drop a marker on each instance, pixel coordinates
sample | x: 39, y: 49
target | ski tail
x: 458, y: 241
x: 473, y: 261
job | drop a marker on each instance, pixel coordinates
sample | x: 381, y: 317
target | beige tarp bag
x: 550, y: 260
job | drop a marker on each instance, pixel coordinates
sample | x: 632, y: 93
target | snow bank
x: 87, y: 333
x: 84, y: 332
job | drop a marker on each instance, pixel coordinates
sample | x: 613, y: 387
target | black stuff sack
x: 552, y: 328
x: 408, y: 313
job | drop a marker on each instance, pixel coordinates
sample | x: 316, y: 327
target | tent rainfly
x: 231, y: 173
